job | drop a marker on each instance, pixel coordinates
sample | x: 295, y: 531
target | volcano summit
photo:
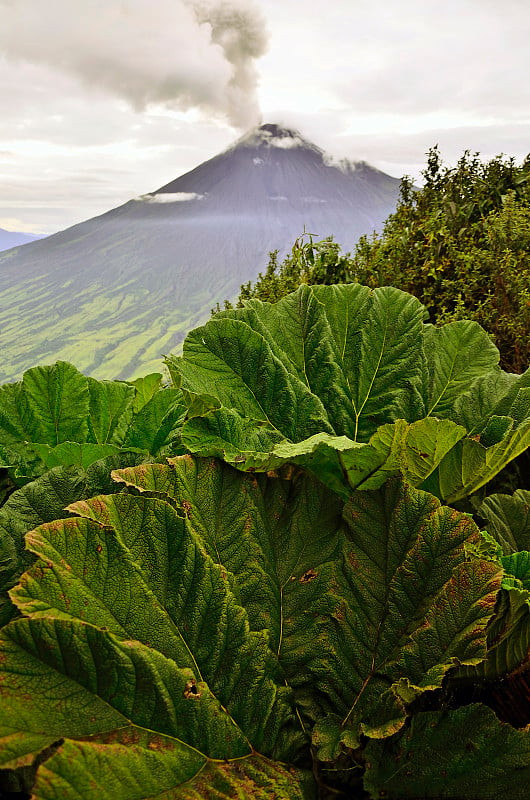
x: 114, y: 293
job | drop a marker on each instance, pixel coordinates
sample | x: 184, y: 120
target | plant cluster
x: 287, y: 581
x: 460, y: 244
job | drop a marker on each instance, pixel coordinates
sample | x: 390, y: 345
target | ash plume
x: 180, y: 53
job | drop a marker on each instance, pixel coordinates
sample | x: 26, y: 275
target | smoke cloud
x: 180, y: 53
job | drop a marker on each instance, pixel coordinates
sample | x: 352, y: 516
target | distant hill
x: 115, y: 293
x: 10, y: 239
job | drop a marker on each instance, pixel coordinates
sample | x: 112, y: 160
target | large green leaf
x: 44, y: 500
x: 156, y: 426
x: 264, y: 531
x: 374, y: 611
x: 508, y: 519
x: 56, y: 416
x: 492, y: 759
x: 111, y: 410
x: 517, y: 569
x: 53, y: 404
x: 508, y: 522
x: 344, y: 374
x: 211, y: 614
x: 458, y: 356
x: 146, y: 387
x: 507, y: 542
x: 508, y: 639
x: 154, y: 766
x: 472, y: 463
x: 183, y: 662
x: 508, y: 643
x: 420, y: 609
x: 351, y: 384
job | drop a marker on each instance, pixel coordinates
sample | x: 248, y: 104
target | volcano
x: 115, y: 293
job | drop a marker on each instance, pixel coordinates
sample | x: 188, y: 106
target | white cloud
x: 169, y: 197
x: 15, y: 224
x: 181, y: 53
x: 286, y: 142
x: 405, y: 60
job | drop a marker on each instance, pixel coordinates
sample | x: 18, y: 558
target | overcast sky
x: 104, y: 100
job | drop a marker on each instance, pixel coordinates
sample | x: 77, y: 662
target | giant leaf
x: 466, y: 754
x: 56, y: 416
x: 368, y: 601
x: 213, y: 615
x: 508, y: 537
x: 508, y: 519
x: 53, y: 404
x: 44, y: 500
x: 353, y: 385
x: 111, y: 410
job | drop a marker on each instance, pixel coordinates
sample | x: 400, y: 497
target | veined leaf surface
x: 365, y: 600
x: 345, y: 369
x: 215, y: 615
x: 44, y: 500
x: 421, y: 762
x: 56, y: 416
x: 508, y: 530
x: 508, y: 519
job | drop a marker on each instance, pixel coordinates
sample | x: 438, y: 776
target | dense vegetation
x: 460, y: 244
x: 283, y: 576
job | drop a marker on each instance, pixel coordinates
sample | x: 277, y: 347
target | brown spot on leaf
x: 187, y: 508
x: 99, y: 549
x: 308, y: 576
x: 354, y: 563
x: 160, y: 744
x: 65, y: 599
x: 190, y: 690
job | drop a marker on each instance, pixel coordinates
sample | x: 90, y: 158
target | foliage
x: 460, y: 244
x: 508, y: 528
x: 270, y: 624
x: 55, y: 416
x: 353, y: 385
x: 419, y: 762
x: 300, y: 619
x: 44, y: 500
x: 61, y: 433
x: 508, y: 520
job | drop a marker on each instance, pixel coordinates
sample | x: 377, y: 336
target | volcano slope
x: 115, y: 293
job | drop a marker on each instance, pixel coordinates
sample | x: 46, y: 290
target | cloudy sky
x: 104, y: 100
